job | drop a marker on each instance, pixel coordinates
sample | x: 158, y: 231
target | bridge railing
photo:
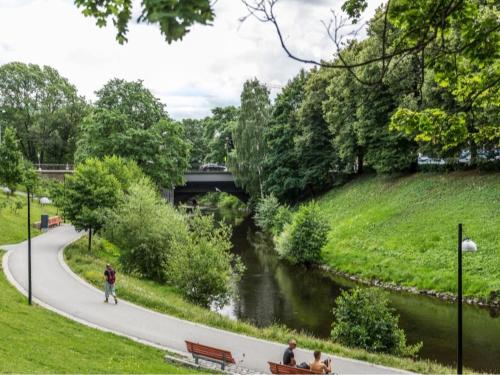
x: 54, y: 167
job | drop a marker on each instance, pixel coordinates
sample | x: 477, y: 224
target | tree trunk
x: 360, y: 163
x: 90, y: 239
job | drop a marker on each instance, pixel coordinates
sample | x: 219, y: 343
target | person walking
x: 109, y: 283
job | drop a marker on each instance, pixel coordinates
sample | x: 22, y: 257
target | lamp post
x: 463, y: 245
x: 29, y: 248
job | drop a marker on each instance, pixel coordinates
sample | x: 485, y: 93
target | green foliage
x: 363, y: 319
x: 247, y: 158
x: 174, y: 17
x: 146, y: 229
x: 130, y: 122
x: 45, y: 110
x: 124, y: 170
x: 132, y: 100
x: 265, y: 211
x: 11, y: 163
x: 218, y: 133
x: 203, y: 268
x: 302, y: 240
x: 271, y: 216
x: 90, y: 191
x: 194, y: 133
x: 282, y: 161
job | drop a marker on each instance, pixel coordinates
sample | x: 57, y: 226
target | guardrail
x: 54, y: 167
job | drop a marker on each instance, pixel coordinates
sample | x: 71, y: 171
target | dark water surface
x: 273, y: 291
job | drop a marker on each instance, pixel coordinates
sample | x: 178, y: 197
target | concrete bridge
x: 196, y: 182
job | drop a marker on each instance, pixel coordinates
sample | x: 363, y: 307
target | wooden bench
x: 54, y: 221
x: 277, y: 368
x: 219, y: 356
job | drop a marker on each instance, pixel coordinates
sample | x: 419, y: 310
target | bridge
x: 196, y: 182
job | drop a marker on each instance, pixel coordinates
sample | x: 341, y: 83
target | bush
x: 363, y: 319
x: 146, y: 229
x: 301, y: 240
x: 203, y: 268
x: 271, y: 216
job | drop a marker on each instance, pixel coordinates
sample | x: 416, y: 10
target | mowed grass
x: 404, y: 230
x: 13, y: 223
x: 35, y: 340
x: 165, y: 299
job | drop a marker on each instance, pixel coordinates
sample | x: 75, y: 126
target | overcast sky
x: 204, y: 70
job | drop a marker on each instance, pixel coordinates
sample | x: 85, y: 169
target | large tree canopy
x: 249, y: 153
x: 129, y: 121
x: 44, y: 108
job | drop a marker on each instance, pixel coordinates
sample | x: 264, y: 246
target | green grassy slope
x: 404, y: 230
x: 13, y: 225
x: 35, y: 340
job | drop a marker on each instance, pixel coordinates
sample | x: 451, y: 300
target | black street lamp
x: 463, y: 245
x: 29, y: 247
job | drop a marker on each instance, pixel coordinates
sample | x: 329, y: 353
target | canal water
x: 273, y: 291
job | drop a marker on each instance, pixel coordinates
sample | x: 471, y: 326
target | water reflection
x: 273, y: 291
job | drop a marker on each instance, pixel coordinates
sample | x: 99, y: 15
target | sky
x: 205, y: 70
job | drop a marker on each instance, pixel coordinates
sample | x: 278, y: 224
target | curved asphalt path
x: 59, y: 289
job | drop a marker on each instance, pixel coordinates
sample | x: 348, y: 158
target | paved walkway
x: 56, y: 287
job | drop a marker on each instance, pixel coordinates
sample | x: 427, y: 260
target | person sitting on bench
x: 318, y: 366
x: 288, y: 356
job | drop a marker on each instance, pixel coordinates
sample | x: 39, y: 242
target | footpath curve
x: 57, y: 288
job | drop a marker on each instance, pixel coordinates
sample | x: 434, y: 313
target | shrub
x: 302, y: 239
x: 271, y: 216
x: 145, y: 228
x: 265, y: 212
x: 363, y: 319
x: 203, y: 268
x: 282, y: 217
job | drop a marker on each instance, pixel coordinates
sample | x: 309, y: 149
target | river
x: 274, y: 291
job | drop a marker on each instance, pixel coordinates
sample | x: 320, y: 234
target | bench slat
x: 277, y: 368
x: 209, y: 352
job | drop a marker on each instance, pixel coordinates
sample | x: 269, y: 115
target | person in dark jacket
x: 109, y: 283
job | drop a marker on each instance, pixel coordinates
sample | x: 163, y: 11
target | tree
x: 282, y: 162
x: 174, y: 17
x: 302, y: 240
x: 90, y: 191
x: 408, y: 28
x: 130, y: 122
x: 194, y: 133
x: 11, y: 161
x: 132, y: 100
x: 250, y: 149
x: 218, y: 133
x: 145, y: 228
x: 203, y: 268
x: 363, y: 319
x: 314, y: 146
x: 45, y: 110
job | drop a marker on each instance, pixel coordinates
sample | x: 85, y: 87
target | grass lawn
x: 35, y: 340
x: 166, y: 300
x: 404, y: 230
x: 13, y: 228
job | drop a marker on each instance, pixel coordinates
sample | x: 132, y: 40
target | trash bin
x: 44, y: 223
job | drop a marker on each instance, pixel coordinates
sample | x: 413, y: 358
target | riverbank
x: 400, y: 233
x: 166, y: 300
x: 35, y: 340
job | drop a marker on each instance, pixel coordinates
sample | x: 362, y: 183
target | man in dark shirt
x: 109, y: 283
x: 288, y: 356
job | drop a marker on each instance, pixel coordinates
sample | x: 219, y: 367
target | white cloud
x: 204, y: 70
